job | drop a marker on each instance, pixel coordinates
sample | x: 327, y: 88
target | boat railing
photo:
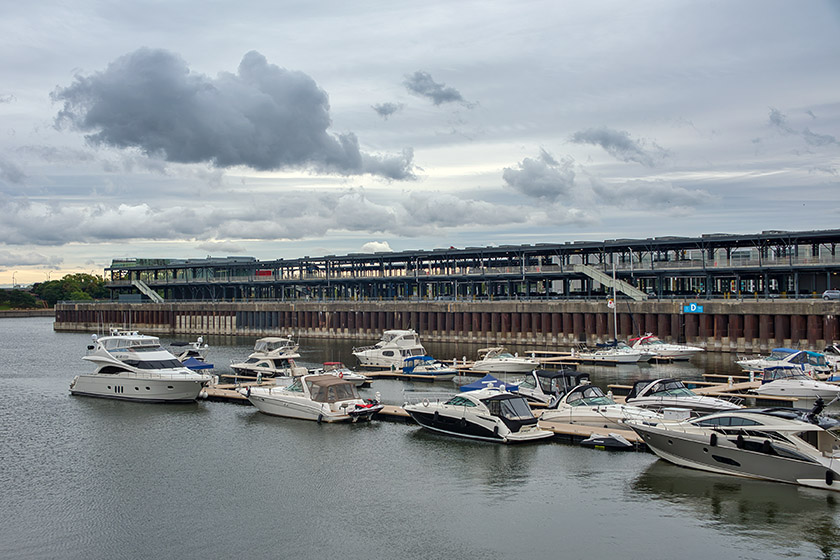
x: 173, y: 376
x: 416, y: 397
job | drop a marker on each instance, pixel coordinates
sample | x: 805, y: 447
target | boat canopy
x: 488, y: 381
x: 194, y: 364
x: 329, y: 389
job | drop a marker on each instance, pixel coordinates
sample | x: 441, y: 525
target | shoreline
x: 10, y: 313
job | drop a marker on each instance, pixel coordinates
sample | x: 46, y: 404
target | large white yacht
x: 662, y: 393
x: 781, y: 444
x: 652, y: 343
x: 273, y: 356
x: 789, y: 381
x: 323, y: 398
x: 392, y: 349
x: 134, y: 367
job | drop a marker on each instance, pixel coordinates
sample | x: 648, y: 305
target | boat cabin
x: 659, y: 388
x: 541, y: 385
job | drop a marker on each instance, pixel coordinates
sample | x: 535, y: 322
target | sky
x: 283, y: 129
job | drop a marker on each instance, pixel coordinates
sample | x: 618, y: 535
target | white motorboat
x: 657, y: 394
x: 544, y: 386
x: 587, y: 405
x: 428, y: 366
x: 273, y: 356
x: 812, y: 363
x: 617, y: 354
x: 134, y: 367
x: 340, y: 370
x: 789, y: 381
x: 499, y: 360
x: 489, y: 414
x: 780, y: 444
x: 323, y: 398
x: 391, y: 351
x: 652, y: 343
x: 832, y: 356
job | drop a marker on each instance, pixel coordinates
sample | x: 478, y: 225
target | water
x: 92, y: 478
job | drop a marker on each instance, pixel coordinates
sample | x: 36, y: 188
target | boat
x: 669, y: 392
x: 185, y: 350
x: 499, y: 360
x: 790, y: 381
x: 135, y: 367
x: 322, y: 398
x: 652, y: 343
x: 489, y: 414
x: 790, y: 445
x: 340, y: 370
x: 812, y: 363
x: 273, y: 356
x: 488, y: 381
x: 587, y: 405
x: 428, y: 366
x: 832, y: 356
x: 543, y: 386
x: 612, y: 355
x: 392, y: 349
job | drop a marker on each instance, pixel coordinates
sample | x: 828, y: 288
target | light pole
x: 14, y: 283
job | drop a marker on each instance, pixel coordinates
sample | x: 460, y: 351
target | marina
x: 131, y: 473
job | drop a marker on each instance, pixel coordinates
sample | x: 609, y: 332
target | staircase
x: 607, y: 280
x: 143, y: 287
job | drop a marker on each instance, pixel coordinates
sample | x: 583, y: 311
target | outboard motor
x: 819, y: 405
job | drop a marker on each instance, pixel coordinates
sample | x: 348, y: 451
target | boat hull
x: 504, y: 367
x: 725, y: 457
x: 137, y: 388
x: 304, y: 409
x: 479, y: 428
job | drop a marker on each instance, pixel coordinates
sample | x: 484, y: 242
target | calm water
x: 93, y: 478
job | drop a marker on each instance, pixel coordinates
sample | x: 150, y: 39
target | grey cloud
x: 7, y: 98
x: 421, y: 83
x: 778, y: 120
x: 9, y: 172
x: 264, y: 116
x: 225, y: 247
x: 385, y: 110
x: 13, y: 258
x: 543, y: 178
x: 650, y: 195
x: 618, y: 144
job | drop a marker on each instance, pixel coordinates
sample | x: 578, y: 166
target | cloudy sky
x: 279, y: 129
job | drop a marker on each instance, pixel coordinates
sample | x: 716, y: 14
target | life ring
x: 425, y: 402
x: 341, y: 375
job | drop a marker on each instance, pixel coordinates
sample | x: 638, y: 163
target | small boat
x: 812, y: 363
x: 135, y: 367
x: 789, y: 381
x: 340, y: 370
x: 489, y: 414
x: 668, y: 393
x: 499, y: 360
x: 587, y: 405
x: 611, y: 441
x: 273, y: 356
x: 185, y: 350
x: 790, y: 445
x: 323, y: 398
x: 544, y: 386
x: 489, y: 381
x: 652, y: 343
x: 607, y: 355
x: 832, y: 356
x: 428, y: 366
x: 392, y: 349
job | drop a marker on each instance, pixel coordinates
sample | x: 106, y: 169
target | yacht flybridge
x: 134, y: 367
x: 392, y: 349
x: 273, y: 356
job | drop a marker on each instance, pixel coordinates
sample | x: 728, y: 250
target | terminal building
x: 770, y: 264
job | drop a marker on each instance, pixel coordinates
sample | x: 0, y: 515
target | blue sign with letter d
x: 692, y: 308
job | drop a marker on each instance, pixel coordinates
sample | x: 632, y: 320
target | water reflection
x: 783, y: 514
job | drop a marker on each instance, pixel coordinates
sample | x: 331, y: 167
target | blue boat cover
x: 487, y: 380
x: 194, y: 364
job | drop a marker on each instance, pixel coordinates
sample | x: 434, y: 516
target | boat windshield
x: 670, y: 388
x: 510, y: 408
x: 774, y: 373
x: 588, y: 396
x: 332, y: 392
x: 154, y: 364
x: 778, y: 355
x: 459, y: 401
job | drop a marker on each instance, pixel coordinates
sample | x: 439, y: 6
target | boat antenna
x: 615, y: 306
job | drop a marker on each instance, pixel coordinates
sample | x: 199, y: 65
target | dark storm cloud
x: 385, y: 110
x: 543, y: 178
x: 778, y: 120
x: 421, y: 83
x: 618, y: 144
x: 264, y: 116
